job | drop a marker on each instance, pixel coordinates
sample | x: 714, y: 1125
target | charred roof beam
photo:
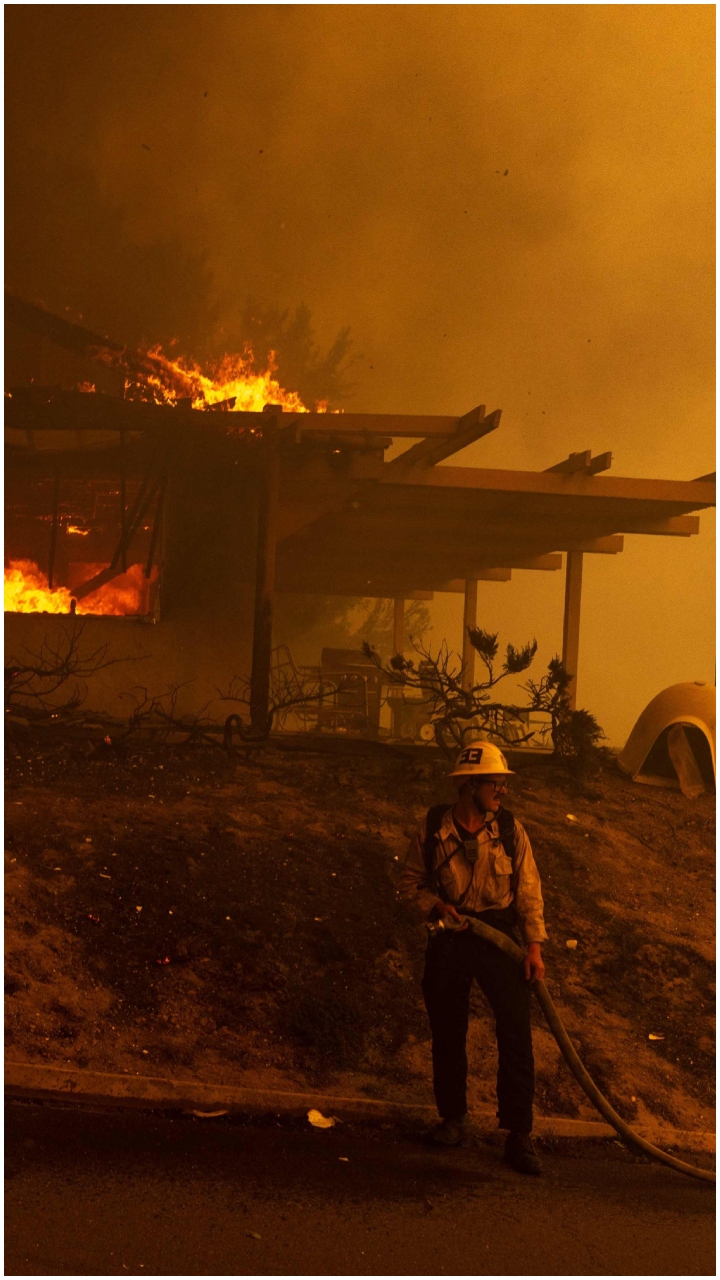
x: 62, y: 333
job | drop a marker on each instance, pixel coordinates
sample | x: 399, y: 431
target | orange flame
x: 233, y: 378
x: 27, y: 591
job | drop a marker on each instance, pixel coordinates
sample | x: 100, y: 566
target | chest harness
x: 435, y: 816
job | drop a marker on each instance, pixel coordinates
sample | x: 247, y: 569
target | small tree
x: 575, y: 733
x: 457, y: 711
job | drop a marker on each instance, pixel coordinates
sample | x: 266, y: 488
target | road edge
x: 48, y: 1083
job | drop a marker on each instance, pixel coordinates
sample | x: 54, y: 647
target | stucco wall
x: 203, y: 637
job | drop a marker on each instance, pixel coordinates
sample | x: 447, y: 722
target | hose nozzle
x: 445, y: 925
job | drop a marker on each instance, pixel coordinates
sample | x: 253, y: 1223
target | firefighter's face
x: 487, y: 792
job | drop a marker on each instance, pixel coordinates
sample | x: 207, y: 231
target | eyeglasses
x: 497, y: 786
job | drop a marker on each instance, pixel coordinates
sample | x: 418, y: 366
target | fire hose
x: 552, y: 1017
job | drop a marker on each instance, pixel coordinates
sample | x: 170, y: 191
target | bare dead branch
x: 156, y: 715
x: 33, y: 680
x: 290, y: 690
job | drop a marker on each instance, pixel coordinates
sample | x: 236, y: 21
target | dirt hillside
x: 189, y: 915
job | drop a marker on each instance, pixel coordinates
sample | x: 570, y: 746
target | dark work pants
x: 451, y: 963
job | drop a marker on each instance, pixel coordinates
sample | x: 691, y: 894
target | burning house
x: 168, y: 504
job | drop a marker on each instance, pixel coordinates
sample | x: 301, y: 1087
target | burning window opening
x: 27, y: 591
x: 50, y: 571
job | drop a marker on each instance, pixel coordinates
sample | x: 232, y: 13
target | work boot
x: 521, y: 1155
x: 456, y: 1133
x: 449, y: 1133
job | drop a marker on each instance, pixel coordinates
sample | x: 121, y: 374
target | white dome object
x: 673, y: 741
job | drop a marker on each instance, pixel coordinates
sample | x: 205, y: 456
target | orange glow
x: 74, y: 528
x: 27, y: 591
x: 234, y: 377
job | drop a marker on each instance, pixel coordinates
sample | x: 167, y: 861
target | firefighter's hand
x: 534, y: 968
x: 446, y: 909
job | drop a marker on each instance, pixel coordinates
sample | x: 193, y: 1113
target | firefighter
x: 474, y: 859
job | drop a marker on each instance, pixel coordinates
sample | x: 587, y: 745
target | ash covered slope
x: 179, y: 915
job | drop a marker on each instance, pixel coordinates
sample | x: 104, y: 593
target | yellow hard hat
x: 479, y: 758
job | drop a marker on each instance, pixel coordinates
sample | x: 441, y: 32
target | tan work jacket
x: 492, y: 883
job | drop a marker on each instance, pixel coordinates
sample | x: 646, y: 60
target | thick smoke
x: 507, y: 204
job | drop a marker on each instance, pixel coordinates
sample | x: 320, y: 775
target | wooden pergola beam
x: 571, y: 620
x: 38, y: 408
x: 400, y: 580
x: 575, y: 462
x: 374, y: 424
x: 483, y: 575
x: 693, y: 492
x: 376, y: 586
x: 428, y: 452
x: 583, y: 462
x: 433, y: 541
x: 673, y: 527
x: 602, y: 462
x: 419, y: 503
x: 356, y: 590
x: 607, y: 546
x: 470, y: 564
x: 550, y: 562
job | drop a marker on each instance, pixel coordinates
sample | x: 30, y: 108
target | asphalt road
x: 126, y: 1193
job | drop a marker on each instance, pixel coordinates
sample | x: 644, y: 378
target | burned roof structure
x: 226, y: 507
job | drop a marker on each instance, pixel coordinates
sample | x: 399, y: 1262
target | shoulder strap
x: 506, y: 827
x: 435, y: 817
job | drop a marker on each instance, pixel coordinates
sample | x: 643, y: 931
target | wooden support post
x: 571, y: 622
x: 469, y: 620
x: 398, y: 646
x: 398, y: 625
x: 54, y: 529
x: 265, y: 581
x: 156, y: 526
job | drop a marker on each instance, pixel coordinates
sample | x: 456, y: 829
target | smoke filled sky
x: 509, y: 205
